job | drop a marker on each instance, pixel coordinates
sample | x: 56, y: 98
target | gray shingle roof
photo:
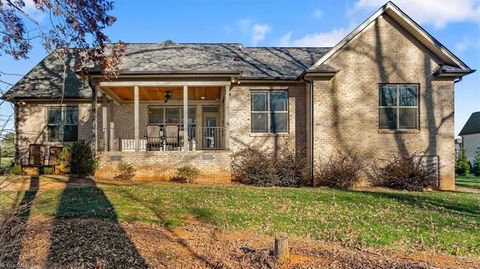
x: 44, y: 80
x: 472, y: 126
x: 265, y: 62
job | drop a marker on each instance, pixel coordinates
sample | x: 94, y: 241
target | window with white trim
x: 62, y: 123
x: 398, y: 106
x: 269, y: 112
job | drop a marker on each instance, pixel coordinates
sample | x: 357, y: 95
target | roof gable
x: 448, y: 58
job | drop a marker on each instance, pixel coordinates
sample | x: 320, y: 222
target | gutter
x: 170, y: 73
x: 441, y: 71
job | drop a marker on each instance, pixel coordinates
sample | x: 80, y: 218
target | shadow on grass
x: 469, y: 182
x: 171, y: 235
x: 441, y: 205
x: 14, y: 227
x: 86, y: 233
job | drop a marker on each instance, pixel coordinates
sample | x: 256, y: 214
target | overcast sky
x: 455, y: 23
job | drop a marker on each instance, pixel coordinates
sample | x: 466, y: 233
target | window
x: 398, y: 106
x: 62, y: 124
x: 170, y: 115
x: 269, y: 111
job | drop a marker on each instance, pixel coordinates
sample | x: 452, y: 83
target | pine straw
x: 94, y: 243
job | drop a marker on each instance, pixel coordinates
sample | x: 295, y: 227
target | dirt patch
x: 95, y: 243
x: 56, y: 182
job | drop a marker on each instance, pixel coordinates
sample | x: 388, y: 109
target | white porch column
x: 226, y: 116
x: 136, y: 113
x: 112, y: 137
x: 105, y: 122
x: 185, y: 118
x: 94, y: 119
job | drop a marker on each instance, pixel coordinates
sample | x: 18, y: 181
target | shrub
x: 16, y: 169
x: 410, y: 173
x: 126, y: 172
x: 476, y: 163
x: 48, y: 170
x: 462, y: 165
x: 290, y: 170
x: 340, y: 171
x: 253, y: 167
x: 78, y: 159
x: 186, y: 174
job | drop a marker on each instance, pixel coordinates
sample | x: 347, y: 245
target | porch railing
x: 199, y: 138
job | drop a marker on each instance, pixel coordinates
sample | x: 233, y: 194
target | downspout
x: 311, y: 161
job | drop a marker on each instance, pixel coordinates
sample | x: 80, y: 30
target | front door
x: 211, y: 132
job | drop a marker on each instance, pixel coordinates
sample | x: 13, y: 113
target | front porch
x: 161, y: 116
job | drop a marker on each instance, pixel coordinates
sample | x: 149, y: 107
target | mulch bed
x: 103, y: 243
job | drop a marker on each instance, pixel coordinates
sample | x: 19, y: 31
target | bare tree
x: 70, y: 27
x: 77, y: 24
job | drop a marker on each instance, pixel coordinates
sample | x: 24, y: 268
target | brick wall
x: 240, y: 120
x: 214, y: 166
x: 32, y: 125
x: 346, y: 107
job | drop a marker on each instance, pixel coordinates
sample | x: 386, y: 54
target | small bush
x: 254, y: 167
x: 340, y: 171
x: 476, y: 163
x: 16, y: 169
x: 48, y: 170
x: 462, y: 165
x: 78, y: 159
x: 126, y: 172
x: 410, y: 173
x: 290, y: 170
x: 186, y: 174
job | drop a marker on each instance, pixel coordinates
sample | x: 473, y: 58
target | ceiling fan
x: 168, y: 96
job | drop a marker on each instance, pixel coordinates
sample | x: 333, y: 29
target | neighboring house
x: 470, y: 134
x: 387, y: 88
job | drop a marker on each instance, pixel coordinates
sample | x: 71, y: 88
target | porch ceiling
x: 158, y: 93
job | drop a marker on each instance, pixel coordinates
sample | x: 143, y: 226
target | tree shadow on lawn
x: 14, y: 227
x: 86, y: 232
x: 469, y: 183
x: 441, y: 205
x: 170, y: 234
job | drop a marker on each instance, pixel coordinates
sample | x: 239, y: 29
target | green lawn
x: 471, y: 181
x: 447, y: 222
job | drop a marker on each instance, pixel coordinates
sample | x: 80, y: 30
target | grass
x: 470, y: 181
x: 445, y: 222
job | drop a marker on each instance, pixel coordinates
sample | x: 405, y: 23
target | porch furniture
x: 172, y: 136
x: 154, y: 137
x: 36, y: 155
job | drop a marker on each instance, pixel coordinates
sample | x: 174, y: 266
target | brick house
x: 386, y: 88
